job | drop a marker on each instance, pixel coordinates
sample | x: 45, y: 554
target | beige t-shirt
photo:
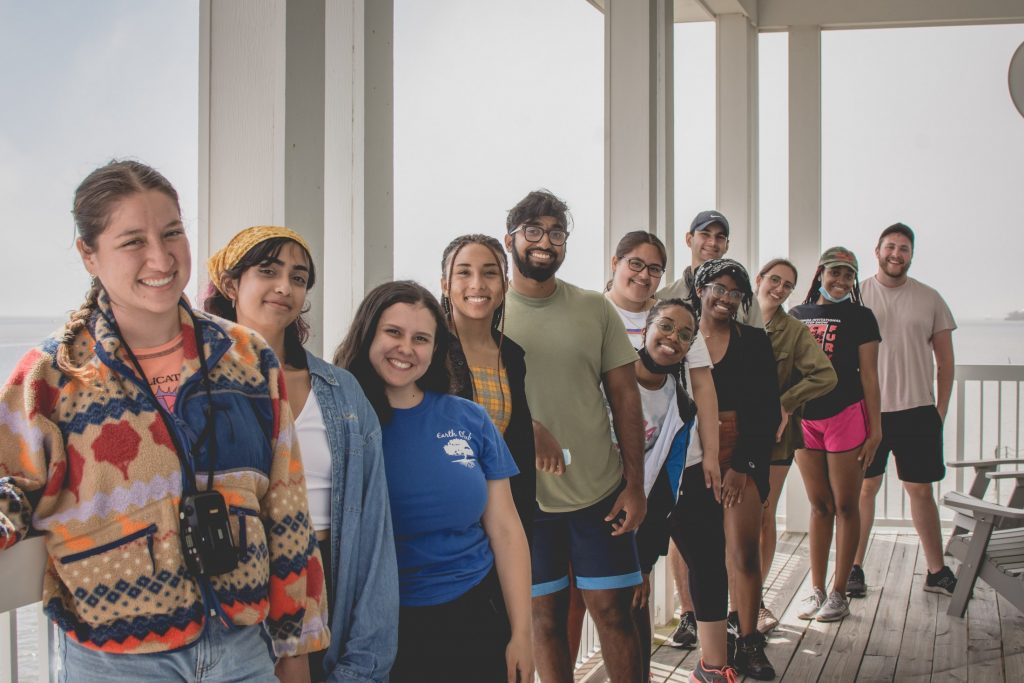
x: 908, y: 317
x: 571, y: 339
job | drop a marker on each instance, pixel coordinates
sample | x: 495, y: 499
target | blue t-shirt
x: 438, y: 457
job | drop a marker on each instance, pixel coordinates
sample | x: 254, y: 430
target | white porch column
x: 804, y: 194
x: 291, y: 96
x: 638, y: 120
x: 736, y: 66
x: 359, y: 152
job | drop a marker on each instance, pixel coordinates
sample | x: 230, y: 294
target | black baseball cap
x: 706, y: 218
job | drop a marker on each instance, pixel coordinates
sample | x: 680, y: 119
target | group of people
x: 445, y: 498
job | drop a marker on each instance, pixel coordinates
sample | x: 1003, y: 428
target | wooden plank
x: 887, y: 633
x: 844, y: 659
x: 785, y: 548
x: 786, y: 582
x: 984, y: 644
x: 876, y: 669
x: 950, y: 663
x: 918, y: 648
x: 1012, y: 632
x: 784, y: 598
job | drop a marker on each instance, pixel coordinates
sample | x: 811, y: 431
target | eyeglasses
x: 666, y: 326
x: 637, y: 266
x: 720, y: 291
x: 775, y: 281
x: 534, y: 233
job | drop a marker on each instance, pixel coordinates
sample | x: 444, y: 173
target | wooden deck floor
x: 897, y: 633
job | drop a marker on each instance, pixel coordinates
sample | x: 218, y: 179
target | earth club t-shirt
x: 840, y: 329
x: 438, y: 457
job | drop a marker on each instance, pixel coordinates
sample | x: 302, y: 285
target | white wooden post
x: 804, y: 196
x: 736, y: 66
x: 638, y: 121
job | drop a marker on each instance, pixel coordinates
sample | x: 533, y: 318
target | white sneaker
x: 811, y: 604
x: 834, y: 609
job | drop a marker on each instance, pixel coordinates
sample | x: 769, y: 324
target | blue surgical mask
x: 829, y: 297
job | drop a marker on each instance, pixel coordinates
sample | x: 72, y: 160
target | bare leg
x: 769, y: 533
x: 925, y: 514
x: 574, y: 618
x: 844, y: 479
x: 712, y: 638
x: 611, y: 610
x: 550, y: 644
x: 681, y: 576
x: 814, y: 471
x: 743, y: 556
x: 642, y: 617
x: 868, y: 493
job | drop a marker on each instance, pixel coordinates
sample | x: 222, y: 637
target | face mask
x: 653, y: 367
x: 829, y: 297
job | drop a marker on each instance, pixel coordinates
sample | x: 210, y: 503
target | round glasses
x: 637, y: 266
x: 775, y: 281
x: 534, y: 233
x: 666, y: 326
x: 720, y: 291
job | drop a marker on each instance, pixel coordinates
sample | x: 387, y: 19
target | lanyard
x: 207, y: 432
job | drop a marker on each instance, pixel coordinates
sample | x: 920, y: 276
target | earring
x: 232, y: 304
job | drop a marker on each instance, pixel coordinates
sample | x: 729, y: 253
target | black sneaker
x: 750, y: 658
x: 685, y: 635
x: 942, y: 582
x: 855, y: 586
x: 732, y: 623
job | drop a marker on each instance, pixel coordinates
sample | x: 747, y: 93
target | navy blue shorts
x: 582, y: 538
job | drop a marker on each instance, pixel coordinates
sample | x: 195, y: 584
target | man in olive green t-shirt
x: 591, y: 499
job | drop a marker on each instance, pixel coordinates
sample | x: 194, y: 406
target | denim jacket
x: 364, y: 616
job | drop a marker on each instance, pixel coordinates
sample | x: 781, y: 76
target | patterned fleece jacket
x: 89, y: 463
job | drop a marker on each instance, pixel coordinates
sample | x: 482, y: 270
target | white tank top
x: 316, y: 460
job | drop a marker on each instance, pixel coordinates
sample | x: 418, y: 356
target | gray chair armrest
x: 963, y: 503
x: 1005, y: 475
x: 985, y: 462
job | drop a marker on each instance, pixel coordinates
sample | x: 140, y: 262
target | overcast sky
x: 493, y: 99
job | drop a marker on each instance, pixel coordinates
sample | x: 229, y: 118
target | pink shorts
x: 840, y: 433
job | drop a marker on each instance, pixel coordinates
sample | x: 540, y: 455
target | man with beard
x: 708, y: 238
x: 916, y: 325
x: 589, y: 506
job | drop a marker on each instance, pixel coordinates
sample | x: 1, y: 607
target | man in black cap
x: 708, y: 238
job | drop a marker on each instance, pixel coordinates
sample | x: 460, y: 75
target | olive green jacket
x: 804, y: 372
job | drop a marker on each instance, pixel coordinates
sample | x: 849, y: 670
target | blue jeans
x: 221, y: 655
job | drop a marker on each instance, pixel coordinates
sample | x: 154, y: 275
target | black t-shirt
x: 840, y: 329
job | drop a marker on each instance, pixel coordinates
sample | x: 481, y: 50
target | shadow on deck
x: 898, y: 632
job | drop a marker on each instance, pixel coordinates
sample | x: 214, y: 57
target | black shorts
x: 915, y: 439
x: 652, y: 535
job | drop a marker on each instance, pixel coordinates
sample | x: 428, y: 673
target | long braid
x: 687, y: 408
x: 75, y: 324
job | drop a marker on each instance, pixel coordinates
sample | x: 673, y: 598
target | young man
x: 916, y: 325
x: 575, y: 343
x: 708, y: 238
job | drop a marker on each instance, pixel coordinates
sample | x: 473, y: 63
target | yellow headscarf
x: 239, y: 245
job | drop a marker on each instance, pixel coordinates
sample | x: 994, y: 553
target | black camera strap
x: 207, y: 432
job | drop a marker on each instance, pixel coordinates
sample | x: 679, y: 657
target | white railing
x: 984, y: 421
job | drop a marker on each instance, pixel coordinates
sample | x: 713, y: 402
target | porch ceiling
x: 778, y: 15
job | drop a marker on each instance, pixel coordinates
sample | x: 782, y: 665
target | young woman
x: 141, y: 409
x: 803, y: 372
x: 260, y: 279
x: 748, y: 404
x: 637, y: 267
x: 840, y: 429
x: 487, y: 366
x: 462, y: 553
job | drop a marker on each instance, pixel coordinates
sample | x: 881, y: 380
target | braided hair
x: 95, y: 201
x: 709, y: 271
x: 687, y: 408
